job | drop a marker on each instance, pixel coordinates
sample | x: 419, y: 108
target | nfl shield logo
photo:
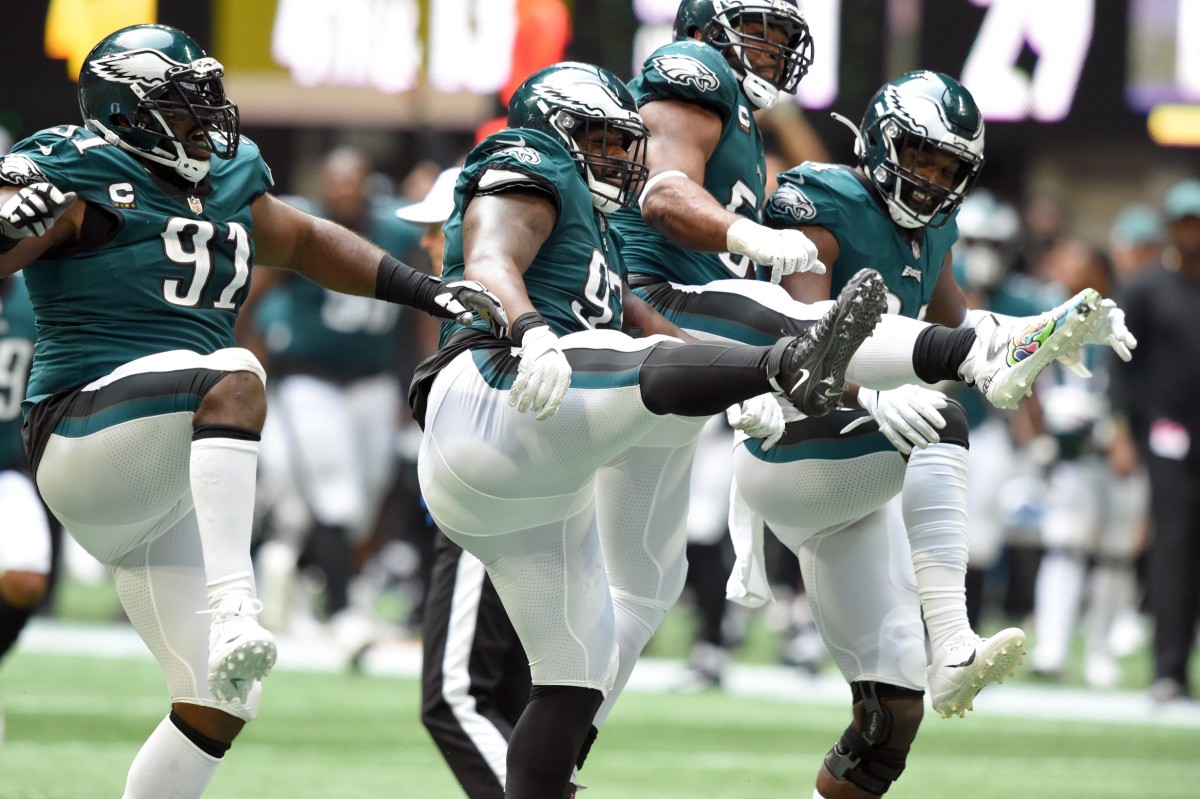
x: 195, y: 204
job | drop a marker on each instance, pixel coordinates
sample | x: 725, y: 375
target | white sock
x: 934, y: 502
x: 1057, y: 594
x: 223, y: 473
x: 169, y: 766
x: 885, y: 360
x: 636, y: 624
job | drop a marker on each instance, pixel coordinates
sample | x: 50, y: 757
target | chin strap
x: 860, y: 147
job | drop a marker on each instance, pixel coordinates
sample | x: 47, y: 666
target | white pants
x: 560, y: 510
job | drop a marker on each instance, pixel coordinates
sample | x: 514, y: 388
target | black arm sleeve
x: 399, y: 283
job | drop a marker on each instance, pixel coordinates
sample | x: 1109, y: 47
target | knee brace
x: 873, y: 750
x: 957, y: 430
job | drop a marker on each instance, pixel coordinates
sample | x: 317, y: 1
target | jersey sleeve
x: 807, y: 196
x: 47, y: 156
x: 691, y: 72
x: 519, y: 158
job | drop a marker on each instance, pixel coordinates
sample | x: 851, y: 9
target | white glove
x: 462, y: 300
x: 543, y: 374
x: 758, y: 417
x: 785, y: 251
x: 906, y: 416
x: 33, y: 210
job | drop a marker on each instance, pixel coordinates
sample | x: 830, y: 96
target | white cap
x: 438, y: 204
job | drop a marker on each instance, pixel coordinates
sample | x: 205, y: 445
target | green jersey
x: 314, y: 330
x: 696, y: 73
x: 838, y: 199
x: 166, y: 269
x: 16, y: 353
x: 575, y: 280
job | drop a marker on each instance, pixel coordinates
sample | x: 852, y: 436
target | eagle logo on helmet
x: 686, y: 71
x: 145, y: 68
x: 588, y: 99
x: 791, y: 202
x: 20, y: 170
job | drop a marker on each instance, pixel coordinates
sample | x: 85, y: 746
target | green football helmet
x: 573, y: 102
x: 907, y: 120
x: 722, y: 24
x: 140, y: 86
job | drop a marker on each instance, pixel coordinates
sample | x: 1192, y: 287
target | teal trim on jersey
x: 141, y: 408
x: 17, y: 333
x: 173, y: 276
x: 725, y: 328
x: 575, y: 280
x: 735, y: 174
x: 833, y: 197
x: 835, y: 449
x: 500, y: 373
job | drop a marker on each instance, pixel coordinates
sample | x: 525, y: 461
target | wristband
x: 523, y: 323
x: 398, y: 282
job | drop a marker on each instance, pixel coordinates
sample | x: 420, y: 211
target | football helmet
x: 988, y: 229
x: 923, y: 112
x: 572, y: 101
x: 722, y: 24
x: 143, y: 87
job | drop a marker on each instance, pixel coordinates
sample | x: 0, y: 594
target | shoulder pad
x: 689, y: 71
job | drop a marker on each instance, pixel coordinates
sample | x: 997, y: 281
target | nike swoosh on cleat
x: 803, y: 376
x: 962, y: 665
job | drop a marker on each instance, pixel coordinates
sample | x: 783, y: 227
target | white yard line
x: 403, y: 659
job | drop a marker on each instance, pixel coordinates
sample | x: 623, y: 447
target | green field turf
x: 75, y: 722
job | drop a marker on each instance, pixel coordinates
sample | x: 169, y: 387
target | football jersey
x: 16, y: 354
x: 838, y: 199
x: 172, y: 276
x: 312, y: 329
x: 575, y: 279
x: 697, y: 73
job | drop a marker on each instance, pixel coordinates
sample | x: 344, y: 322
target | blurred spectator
x: 1045, y: 220
x: 1091, y: 513
x: 1157, y: 394
x: 1136, y: 239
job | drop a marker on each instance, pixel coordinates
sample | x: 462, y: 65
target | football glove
x: 460, y: 300
x: 758, y: 417
x: 907, y: 416
x: 33, y: 210
x: 1109, y: 331
x: 543, y: 374
x: 785, y: 251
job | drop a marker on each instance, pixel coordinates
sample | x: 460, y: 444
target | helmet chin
x: 904, y: 217
x: 760, y: 92
x: 606, y: 197
x: 193, y: 170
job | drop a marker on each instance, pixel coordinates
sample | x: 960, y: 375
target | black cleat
x: 811, y: 369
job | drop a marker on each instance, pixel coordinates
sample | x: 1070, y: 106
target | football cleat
x: 1008, y: 355
x: 964, y: 665
x: 810, y: 369
x: 240, y: 650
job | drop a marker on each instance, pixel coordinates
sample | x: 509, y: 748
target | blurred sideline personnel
x: 1155, y: 396
x: 474, y: 674
x: 25, y: 534
x: 1093, y: 514
x: 875, y: 571
x: 551, y: 462
x: 696, y: 247
x: 328, y: 450
x: 137, y: 248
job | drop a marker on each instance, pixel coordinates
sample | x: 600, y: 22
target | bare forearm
x: 688, y: 215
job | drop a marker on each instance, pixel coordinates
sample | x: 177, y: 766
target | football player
x: 553, y: 455
x: 25, y: 535
x: 696, y: 246
x: 874, y: 573
x: 137, y: 232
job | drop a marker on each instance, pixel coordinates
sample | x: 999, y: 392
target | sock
x: 223, y: 474
x: 940, y: 351
x: 1057, y: 594
x: 934, y: 502
x: 12, y: 620
x: 547, y: 740
x: 169, y: 766
x: 885, y: 359
x: 636, y: 624
x: 702, y: 378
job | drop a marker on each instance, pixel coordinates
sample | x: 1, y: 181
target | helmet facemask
x: 615, y: 181
x: 913, y: 200
x: 193, y: 92
x: 792, y: 49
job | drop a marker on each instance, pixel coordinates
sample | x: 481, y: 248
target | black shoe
x: 811, y: 369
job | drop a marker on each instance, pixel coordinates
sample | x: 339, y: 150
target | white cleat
x: 240, y: 650
x: 963, y: 666
x: 1007, y: 358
